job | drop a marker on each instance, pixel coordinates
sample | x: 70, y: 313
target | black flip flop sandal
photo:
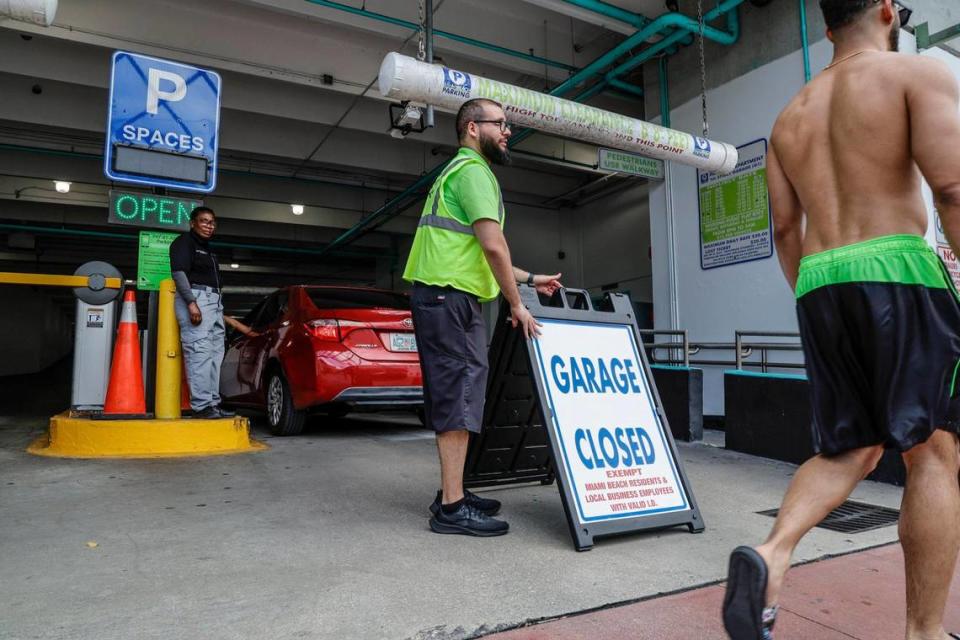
x: 744, y: 615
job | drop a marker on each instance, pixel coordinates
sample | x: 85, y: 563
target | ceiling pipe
x: 405, y: 78
x: 442, y: 34
x: 666, y: 21
x: 664, y: 93
x: 626, y: 87
x: 39, y: 12
x: 730, y: 37
x: 570, y: 9
x: 635, y: 20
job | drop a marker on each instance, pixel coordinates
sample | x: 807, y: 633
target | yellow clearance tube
x: 169, y: 356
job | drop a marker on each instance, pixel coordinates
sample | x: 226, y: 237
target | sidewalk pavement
x: 859, y: 595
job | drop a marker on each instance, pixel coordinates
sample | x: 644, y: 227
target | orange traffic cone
x: 125, y: 393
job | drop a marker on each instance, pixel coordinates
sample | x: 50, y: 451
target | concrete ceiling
x: 286, y: 134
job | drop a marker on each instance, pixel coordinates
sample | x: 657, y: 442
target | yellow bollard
x: 169, y: 355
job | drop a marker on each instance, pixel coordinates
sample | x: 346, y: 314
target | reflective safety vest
x: 445, y: 251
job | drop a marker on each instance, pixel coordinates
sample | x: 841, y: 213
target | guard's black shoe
x: 468, y: 521
x: 207, y: 413
x: 226, y: 413
x: 487, y: 506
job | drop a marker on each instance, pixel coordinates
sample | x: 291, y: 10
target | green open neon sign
x: 147, y: 210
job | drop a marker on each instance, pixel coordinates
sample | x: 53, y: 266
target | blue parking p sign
x: 163, y: 123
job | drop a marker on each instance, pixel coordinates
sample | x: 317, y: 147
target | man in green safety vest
x: 459, y: 259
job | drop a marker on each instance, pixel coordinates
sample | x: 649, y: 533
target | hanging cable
x: 703, y: 71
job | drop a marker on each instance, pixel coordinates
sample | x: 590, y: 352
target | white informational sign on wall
x: 735, y: 223
x: 615, y: 455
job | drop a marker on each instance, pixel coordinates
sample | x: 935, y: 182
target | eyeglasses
x: 904, y: 11
x: 504, y: 127
x: 207, y: 223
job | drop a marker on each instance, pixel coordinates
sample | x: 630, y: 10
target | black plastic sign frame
x: 616, y: 478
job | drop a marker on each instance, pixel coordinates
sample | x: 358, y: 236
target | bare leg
x: 930, y: 532
x: 452, y: 446
x: 820, y: 486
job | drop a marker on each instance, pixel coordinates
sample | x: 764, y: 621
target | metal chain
x: 703, y: 71
x: 421, y: 47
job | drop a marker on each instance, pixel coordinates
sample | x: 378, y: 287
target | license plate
x: 403, y: 342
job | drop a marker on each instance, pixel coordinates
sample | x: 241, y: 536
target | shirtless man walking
x: 879, y: 317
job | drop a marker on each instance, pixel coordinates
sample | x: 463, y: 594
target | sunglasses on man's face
x: 905, y: 13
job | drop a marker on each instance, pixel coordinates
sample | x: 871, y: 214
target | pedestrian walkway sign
x: 163, y: 123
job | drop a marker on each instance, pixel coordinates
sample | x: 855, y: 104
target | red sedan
x: 334, y: 349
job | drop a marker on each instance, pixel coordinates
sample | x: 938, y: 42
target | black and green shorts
x: 880, y: 325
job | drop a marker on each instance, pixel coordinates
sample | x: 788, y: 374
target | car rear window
x: 354, y: 299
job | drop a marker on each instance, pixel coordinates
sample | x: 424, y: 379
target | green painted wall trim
x: 670, y: 367
x: 133, y: 237
x: 761, y: 374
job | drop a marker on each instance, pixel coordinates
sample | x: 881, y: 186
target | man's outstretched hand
x: 547, y: 285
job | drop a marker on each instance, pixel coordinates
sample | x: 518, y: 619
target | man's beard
x: 492, y: 151
x: 895, y: 37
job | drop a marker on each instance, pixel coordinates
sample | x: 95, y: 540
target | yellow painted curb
x: 85, y: 438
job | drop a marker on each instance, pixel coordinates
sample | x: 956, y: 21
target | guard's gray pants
x: 202, y: 347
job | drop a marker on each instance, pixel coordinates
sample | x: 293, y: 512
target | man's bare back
x: 849, y: 149
x: 844, y: 144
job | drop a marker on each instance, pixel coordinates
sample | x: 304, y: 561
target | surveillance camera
x: 405, y: 118
x: 36, y: 89
x: 410, y: 117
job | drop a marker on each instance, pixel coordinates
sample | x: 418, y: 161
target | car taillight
x: 324, y: 329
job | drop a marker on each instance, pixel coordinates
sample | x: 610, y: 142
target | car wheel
x: 283, y: 417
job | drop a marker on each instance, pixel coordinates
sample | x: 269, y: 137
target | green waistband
x: 899, y: 259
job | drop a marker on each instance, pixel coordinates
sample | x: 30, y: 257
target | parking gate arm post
x: 169, y: 355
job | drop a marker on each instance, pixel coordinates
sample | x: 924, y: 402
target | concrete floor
x: 325, y: 536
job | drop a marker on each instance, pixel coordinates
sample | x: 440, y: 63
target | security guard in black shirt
x: 199, y: 309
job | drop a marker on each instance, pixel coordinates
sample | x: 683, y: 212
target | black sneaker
x: 487, y: 506
x: 207, y: 413
x: 226, y: 413
x: 467, y: 520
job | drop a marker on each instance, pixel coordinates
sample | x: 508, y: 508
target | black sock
x: 450, y: 508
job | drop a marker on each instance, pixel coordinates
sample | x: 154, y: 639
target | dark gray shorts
x: 452, y: 341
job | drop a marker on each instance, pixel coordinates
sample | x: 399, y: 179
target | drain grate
x: 853, y: 517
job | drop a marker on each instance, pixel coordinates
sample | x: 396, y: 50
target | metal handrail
x: 766, y: 347
x: 682, y: 347
x: 680, y: 352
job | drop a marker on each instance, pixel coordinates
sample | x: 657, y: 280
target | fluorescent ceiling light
x: 297, y: 209
x: 61, y: 186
